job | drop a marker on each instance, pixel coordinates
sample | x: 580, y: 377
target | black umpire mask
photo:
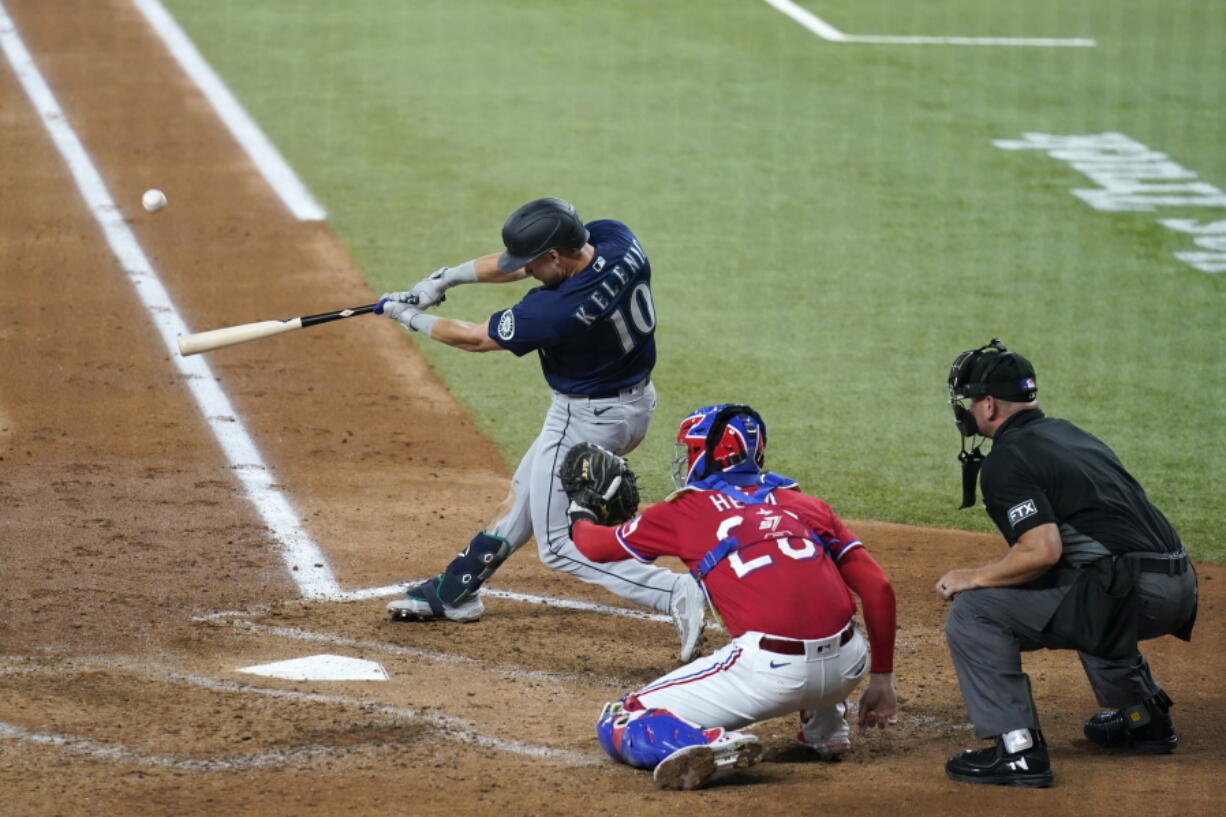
x: 977, y: 373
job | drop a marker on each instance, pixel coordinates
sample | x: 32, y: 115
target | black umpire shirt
x: 1042, y: 469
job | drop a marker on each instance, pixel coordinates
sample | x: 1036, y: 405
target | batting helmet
x: 538, y: 227
x: 727, y: 437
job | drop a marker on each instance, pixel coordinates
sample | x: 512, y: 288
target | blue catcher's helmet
x: 729, y: 437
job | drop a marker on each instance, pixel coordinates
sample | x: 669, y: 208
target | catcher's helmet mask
x: 536, y: 228
x: 719, y: 438
x: 990, y: 370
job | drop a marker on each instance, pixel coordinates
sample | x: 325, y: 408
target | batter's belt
x: 629, y: 391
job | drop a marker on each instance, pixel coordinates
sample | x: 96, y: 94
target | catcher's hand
x: 600, y: 485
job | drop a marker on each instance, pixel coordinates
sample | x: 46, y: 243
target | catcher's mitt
x: 600, y: 482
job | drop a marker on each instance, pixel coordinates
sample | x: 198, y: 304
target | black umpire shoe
x: 1145, y: 729
x: 995, y: 766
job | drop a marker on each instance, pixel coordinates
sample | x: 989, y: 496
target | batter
x: 592, y: 324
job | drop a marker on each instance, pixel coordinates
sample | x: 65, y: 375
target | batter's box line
x: 831, y: 34
x: 487, y: 592
x: 449, y: 727
x: 387, y: 648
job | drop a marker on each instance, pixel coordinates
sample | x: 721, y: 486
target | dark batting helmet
x: 538, y: 227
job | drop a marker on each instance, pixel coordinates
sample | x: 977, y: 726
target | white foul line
x: 305, y: 561
x: 829, y: 33
x: 271, y: 164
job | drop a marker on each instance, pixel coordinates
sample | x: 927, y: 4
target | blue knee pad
x: 642, y: 739
x: 472, y: 567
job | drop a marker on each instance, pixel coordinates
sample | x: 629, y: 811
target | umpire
x: 1092, y: 566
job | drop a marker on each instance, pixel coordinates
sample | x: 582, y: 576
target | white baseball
x: 153, y: 200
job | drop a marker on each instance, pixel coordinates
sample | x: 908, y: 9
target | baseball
x: 153, y: 200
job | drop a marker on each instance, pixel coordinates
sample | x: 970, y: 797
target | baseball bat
x: 231, y: 335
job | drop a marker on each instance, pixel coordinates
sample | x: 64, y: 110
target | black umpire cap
x: 536, y: 228
x: 993, y: 370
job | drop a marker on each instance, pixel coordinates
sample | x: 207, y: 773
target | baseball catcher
x: 778, y: 568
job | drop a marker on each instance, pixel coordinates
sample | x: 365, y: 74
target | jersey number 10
x: 642, y: 317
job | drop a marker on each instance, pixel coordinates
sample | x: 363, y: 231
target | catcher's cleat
x: 1029, y: 768
x: 695, y: 766
x: 825, y: 731
x: 688, y: 607
x: 421, y: 603
x: 830, y: 750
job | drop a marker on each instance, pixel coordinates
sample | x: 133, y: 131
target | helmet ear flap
x: 715, y: 434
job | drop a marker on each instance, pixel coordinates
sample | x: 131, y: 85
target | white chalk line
x: 109, y: 751
x: 305, y: 561
x: 268, y: 160
x: 831, y: 34
x: 398, y: 589
x: 494, y: 593
x: 413, y: 652
x: 457, y: 729
x: 452, y: 728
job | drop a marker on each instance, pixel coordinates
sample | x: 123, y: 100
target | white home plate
x: 321, y: 668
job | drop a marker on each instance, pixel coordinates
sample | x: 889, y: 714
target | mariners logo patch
x: 506, y: 325
x: 1022, y: 510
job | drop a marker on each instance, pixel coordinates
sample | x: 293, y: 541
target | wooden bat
x: 232, y: 335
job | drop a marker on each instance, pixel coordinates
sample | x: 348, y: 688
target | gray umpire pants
x: 989, y: 628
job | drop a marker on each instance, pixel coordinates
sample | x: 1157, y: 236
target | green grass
x: 829, y: 224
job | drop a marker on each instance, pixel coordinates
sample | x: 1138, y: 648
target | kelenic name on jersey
x: 612, y: 284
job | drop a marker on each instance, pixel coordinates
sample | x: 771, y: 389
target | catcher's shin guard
x: 476, y: 563
x: 644, y: 737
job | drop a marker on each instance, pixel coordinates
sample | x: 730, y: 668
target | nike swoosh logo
x: 600, y: 411
x: 780, y: 664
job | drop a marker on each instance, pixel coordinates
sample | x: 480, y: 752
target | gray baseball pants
x: 539, y: 504
x: 989, y: 628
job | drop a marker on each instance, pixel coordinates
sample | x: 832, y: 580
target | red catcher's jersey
x: 781, y: 581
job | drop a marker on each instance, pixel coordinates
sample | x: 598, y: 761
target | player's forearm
x: 597, y: 542
x: 488, y: 273
x: 471, y: 337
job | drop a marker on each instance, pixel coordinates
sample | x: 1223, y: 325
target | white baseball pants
x: 746, y: 682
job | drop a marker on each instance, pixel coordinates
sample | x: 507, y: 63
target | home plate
x: 321, y: 668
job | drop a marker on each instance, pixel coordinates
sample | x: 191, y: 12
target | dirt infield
x: 136, y: 576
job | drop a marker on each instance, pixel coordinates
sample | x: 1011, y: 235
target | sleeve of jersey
x: 836, y: 537
x: 866, y: 578
x: 1014, y: 499
x: 605, y: 544
x: 597, y: 542
x: 523, y: 328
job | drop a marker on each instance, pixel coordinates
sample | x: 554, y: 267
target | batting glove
x: 429, y: 290
x: 410, y: 317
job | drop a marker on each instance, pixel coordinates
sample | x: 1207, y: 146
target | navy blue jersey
x: 594, y: 332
